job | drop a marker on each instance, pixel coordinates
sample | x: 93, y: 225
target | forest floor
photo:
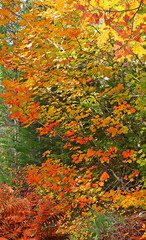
x: 134, y: 228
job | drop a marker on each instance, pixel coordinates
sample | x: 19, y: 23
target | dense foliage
x: 81, y: 86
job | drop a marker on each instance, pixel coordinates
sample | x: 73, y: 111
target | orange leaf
x: 104, y: 177
x: 90, y: 153
x: 67, y: 145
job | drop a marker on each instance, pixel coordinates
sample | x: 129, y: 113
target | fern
x: 28, y: 218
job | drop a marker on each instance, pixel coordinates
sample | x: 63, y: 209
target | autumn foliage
x: 29, y: 217
x: 81, y: 66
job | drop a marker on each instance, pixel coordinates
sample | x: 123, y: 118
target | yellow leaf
x: 103, y: 37
x: 94, y: 3
x: 138, y: 49
x: 106, y: 4
x: 83, y: 2
x: 139, y: 19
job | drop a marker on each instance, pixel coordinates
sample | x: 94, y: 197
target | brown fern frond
x: 29, y: 218
x: 15, y: 207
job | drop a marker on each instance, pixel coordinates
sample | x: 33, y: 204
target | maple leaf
x: 80, y: 7
x: 138, y: 49
x: 103, y: 37
x: 94, y: 18
x: 104, y: 177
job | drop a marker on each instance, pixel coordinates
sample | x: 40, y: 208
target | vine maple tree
x: 81, y: 73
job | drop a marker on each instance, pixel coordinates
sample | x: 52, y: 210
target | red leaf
x: 17, y: 115
x: 94, y: 18
x: 70, y: 133
x: 126, y: 18
x: 79, y: 7
x: 107, y: 20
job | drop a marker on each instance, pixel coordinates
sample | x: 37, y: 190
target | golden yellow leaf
x: 103, y: 37
x: 138, y: 49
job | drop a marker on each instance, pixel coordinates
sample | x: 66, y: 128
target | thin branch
x: 124, y: 10
x: 141, y: 2
x: 89, y: 206
x: 79, y: 44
